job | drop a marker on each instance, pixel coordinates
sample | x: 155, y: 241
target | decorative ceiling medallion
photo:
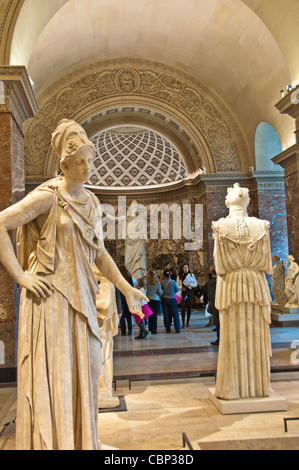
x: 127, y: 80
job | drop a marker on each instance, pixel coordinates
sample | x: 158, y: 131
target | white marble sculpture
x: 135, y: 245
x: 59, y: 346
x: 108, y: 325
x: 278, y: 282
x: 242, y: 254
x: 292, y: 283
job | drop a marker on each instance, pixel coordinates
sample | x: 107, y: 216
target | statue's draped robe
x: 108, y: 324
x: 243, y: 300
x: 59, y: 350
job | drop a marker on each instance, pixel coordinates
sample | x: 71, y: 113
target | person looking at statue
x: 169, y: 304
x: 187, y: 283
x: 154, y: 293
x: 211, y: 305
x: 59, y: 345
x: 126, y: 316
x: 173, y: 274
x: 143, y: 332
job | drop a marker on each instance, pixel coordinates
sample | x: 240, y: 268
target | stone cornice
x: 269, y: 179
x: 221, y: 181
x: 19, y: 98
x: 183, y: 190
x: 289, y: 105
x: 288, y: 160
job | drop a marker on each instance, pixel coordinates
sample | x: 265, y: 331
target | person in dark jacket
x: 169, y: 305
x: 126, y: 316
x: 211, y: 307
x: 187, y: 283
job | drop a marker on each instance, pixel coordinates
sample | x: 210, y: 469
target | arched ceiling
x: 245, y: 51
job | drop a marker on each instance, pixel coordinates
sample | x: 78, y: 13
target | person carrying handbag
x: 188, y: 285
x: 169, y: 304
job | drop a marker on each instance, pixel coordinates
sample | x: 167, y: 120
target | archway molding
x: 192, y: 146
x: 166, y: 98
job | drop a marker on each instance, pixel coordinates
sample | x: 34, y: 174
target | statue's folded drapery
x: 59, y: 351
x: 243, y: 300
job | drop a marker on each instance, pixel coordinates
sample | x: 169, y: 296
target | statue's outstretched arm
x: 109, y: 269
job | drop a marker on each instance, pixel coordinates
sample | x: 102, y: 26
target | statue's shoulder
x: 50, y: 185
x: 92, y: 196
x: 258, y: 226
x: 216, y: 226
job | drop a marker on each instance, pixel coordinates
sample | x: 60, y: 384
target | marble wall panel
x: 12, y: 189
x: 272, y: 207
x: 292, y: 204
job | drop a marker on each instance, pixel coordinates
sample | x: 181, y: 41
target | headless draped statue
x: 278, y: 282
x: 242, y: 255
x: 135, y: 245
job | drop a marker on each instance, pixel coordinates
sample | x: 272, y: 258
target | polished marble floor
x: 164, y: 380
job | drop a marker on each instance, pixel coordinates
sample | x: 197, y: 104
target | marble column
x: 17, y: 103
x: 288, y: 161
x: 271, y: 203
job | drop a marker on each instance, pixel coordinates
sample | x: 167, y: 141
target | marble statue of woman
x: 59, y: 346
x: 242, y: 255
x: 291, y: 283
x: 278, y: 282
x: 108, y: 324
x: 135, y: 245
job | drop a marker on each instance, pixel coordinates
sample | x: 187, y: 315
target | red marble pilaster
x: 7, y: 306
x: 292, y: 203
x: 288, y: 160
x: 18, y: 103
x: 271, y: 203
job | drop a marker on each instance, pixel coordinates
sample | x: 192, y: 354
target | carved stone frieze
x: 146, y: 82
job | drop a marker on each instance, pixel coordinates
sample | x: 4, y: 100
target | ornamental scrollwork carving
x: 146, y: 83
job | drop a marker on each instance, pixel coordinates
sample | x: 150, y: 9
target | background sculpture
x: 242, y: 254
x: 108, y: 324
x: 278, y: 282
x: 292, y: 283
x: 135, y: 245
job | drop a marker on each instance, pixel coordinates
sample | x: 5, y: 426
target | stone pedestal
x: 110, y: 402
x: 284, y: 316
x: 249, y: 405
x: 276, y: 308
x: 17, y: 103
